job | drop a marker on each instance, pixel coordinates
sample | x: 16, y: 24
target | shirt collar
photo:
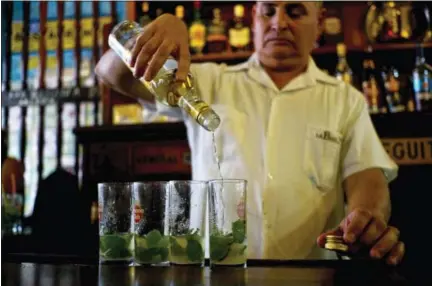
x: 307, y: 79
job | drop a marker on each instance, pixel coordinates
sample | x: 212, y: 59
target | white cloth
x: 294, y: 146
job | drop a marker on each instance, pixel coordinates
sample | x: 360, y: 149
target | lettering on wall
x: 409, y: 151
x: 161, y: 158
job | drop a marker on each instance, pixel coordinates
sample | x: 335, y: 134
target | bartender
x: 303, y: 140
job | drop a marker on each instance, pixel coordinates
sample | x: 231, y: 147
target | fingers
x: 386, y: 243
x: 146, y: 54
x: 183, y: 62
x: 373, y: 231
x: 158, y: 59
x: 396, y: 253
x: 355, y: 224
x: 140, y: 42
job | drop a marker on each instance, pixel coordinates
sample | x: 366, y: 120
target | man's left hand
x: 362, y: 229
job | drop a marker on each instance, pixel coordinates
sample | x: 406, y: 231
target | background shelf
x: 325, y: 50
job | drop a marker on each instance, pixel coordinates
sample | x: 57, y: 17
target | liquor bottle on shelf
x: 390, y: 30
x: 332, y: 25
x: 159, y: 11
x: 164, y: 87
x: 371, y: 86
x: 411, y: 105
x: 343, y: 71
x: 383, y: 22
x: 197, y: 31
x: 371, y: 24
x: 421, y: 83
x: 216, y: 39
x: 179, y: 12
x: 145, y: 18
x: 421, y: 21
x: 392, y: 90
x: 239, y: 33
x: 405, y: 21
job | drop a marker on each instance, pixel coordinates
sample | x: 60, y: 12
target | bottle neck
x: 197, y: 15
x: 342, y: 60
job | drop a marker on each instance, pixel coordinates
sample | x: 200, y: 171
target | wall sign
x: 409, y: 151
x: 161, y: 158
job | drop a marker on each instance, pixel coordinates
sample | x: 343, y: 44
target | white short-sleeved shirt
x: 294, y: 146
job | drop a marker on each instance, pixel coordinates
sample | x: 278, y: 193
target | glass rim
x: 113, y: 183
x: 149, y: 182
x: 188, y: 181
x: 227, y: 181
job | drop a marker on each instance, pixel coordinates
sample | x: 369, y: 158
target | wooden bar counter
x: 60, y: 271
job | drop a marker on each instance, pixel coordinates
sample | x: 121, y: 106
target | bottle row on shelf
x: 382, y: 86
x: 214, y: 36
x: 48, y: 96
x: 218, y: 28
x: 51, y: 44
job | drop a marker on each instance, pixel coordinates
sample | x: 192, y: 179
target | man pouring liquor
x: 303, y: 140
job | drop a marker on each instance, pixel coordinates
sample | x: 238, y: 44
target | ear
x: 322, y: 13
x: 254, y: 9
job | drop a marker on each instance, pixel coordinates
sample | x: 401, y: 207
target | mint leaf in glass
x: 152, y: 248
x: 115, y: 246
x: 153, y: 238
x: 176, y: 248
x: 219, y: 246
x: 143, y: 254
x: 163, y: 242
x: 239, y: 230
x: 194, y: 250
x: 164, y: 253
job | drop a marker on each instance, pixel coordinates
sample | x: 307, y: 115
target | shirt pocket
x: 322, y: 157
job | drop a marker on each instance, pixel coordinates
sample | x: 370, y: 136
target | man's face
x: 285, y: 33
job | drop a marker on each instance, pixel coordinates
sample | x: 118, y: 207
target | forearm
x: 115, y: 74
x: 368, y: 190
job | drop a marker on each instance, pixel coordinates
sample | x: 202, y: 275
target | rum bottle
x: 164, y: 87
x: 197, y: 31
x: 145, y: 18
x: 343, y: 71
x: 421, y: 87
x: 392, y: 90
x: 239, y: 33
x: 216, y: 39
x: 179, y: 12
x: 371, y: 86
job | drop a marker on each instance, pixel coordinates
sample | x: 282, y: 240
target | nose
x: 280, y: 21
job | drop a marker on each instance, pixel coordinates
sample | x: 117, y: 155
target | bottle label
x: 138, y: 213
x: 87, y: 33
x: 197, y: 36
x: 239, y: 37
x: 69, y: 34
x: 105, y: 20
x: 332, y: 26
x: 416, y: 82
x: 216, y: 33
x: 17, y: 37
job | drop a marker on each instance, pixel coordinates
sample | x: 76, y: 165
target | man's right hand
x: 166, y: 36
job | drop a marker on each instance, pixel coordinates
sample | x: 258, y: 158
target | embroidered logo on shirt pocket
x: 322, y: 156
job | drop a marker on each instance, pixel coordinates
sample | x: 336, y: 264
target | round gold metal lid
x: 336, y: 243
